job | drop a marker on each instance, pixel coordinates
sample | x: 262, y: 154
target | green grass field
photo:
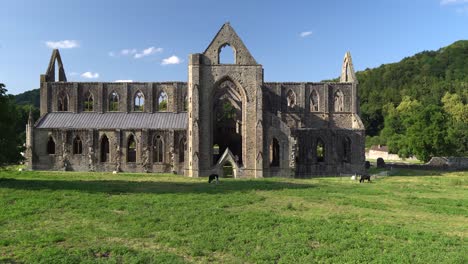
x: 57, y: 217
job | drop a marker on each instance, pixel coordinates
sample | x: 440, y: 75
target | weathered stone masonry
x: 224, y: 114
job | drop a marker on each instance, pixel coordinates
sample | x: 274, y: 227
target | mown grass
x: 57, y: 217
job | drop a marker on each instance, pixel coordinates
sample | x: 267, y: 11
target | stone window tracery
x: 77, y: 146
x: 314, y: 101
x: 162, y: 102
x: 139, y: 102
x: 89, y: 102
x: 291, y: 99
x: 158, y: 149
x: 62, y: 104
x: 339, y: 101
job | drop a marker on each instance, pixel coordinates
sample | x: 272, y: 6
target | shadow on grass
x: 118, y: 187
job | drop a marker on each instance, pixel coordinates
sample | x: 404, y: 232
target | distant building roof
x: 90, y: 120
x: 379, y: 148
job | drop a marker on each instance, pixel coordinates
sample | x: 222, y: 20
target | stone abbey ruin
x: 224, y: 114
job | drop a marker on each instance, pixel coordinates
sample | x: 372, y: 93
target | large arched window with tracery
x: 158, y: 149
x: 89, y: 102
x: 139, y: 105
x: 62, y: 102
x: 114, y: 101
x: 314, y: 101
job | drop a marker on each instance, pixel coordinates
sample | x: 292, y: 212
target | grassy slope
x: 90, y: 217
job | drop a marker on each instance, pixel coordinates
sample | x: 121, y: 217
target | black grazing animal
x: 364, y: 177
x: 213, y: 177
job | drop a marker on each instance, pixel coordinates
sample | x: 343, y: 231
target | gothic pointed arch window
x: 314, y: 101
x: 346, y: 150
x: 291, y: 99
x: 104, y: 149
x: 226, y: 54
x: 51, y: 146
x: 320, y: 150
x: 62, y: 102
x: 158, y: 149
x: 131, y: 149
x: 89, y: 102
x: 182, y: 149
x: 113, y: 101
x: 274, y: 153
x: 338, y: 101
x: 77, y: 145
x: 139, y: 100
x: 162, y: 102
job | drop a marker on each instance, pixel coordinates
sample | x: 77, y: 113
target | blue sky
x: 151, y: 40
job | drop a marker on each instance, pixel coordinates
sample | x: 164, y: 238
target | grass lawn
x: 57, y: 217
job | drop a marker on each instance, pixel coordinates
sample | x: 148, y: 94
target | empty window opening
x: 320, y: 151
x: 339, y: 101
x: 51, y: 146
x: 114, y: 102
x: 139, y: 102
x: 274, y: 153
x: 185, y: 103
x: 314, y: 101
x: 227, y: 55
x: 346, y: 150
x: 291, y: 99
x: 131, y: 149
x: 158, y: 149
x: 162, y: 102
x: 89, y: 102
x: 77, y: 146
x: 182, y: 149
x: 104, y: 149
x: 62, y: 104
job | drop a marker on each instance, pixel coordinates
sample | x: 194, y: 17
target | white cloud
x: 111, y: 54
x: 305, y: 34
x: 171, y: 60
x: 90, y: 75
x: 452, y: 2
x: 128, y: 51
x: 121, y: 81
x: 147, y: 52
x: 62, y: 44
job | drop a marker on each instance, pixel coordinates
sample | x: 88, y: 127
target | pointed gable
x: 227, y: 36
x: 347, y: 70
x: 50, y: 73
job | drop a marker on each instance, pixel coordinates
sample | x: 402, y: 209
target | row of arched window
x: 158, y: 148
x: 319, y: 151
x: 114, y: 102
x: 314, y: 100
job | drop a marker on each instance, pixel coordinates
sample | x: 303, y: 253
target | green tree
x: 9, y: 144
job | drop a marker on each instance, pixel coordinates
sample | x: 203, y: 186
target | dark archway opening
x: 51, y: 146
x: 274, y: 153
x: 227, y: 121
x: 104, y: 149
x: 131, y: 149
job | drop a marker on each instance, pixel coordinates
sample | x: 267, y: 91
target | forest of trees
x: 418, y: 106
